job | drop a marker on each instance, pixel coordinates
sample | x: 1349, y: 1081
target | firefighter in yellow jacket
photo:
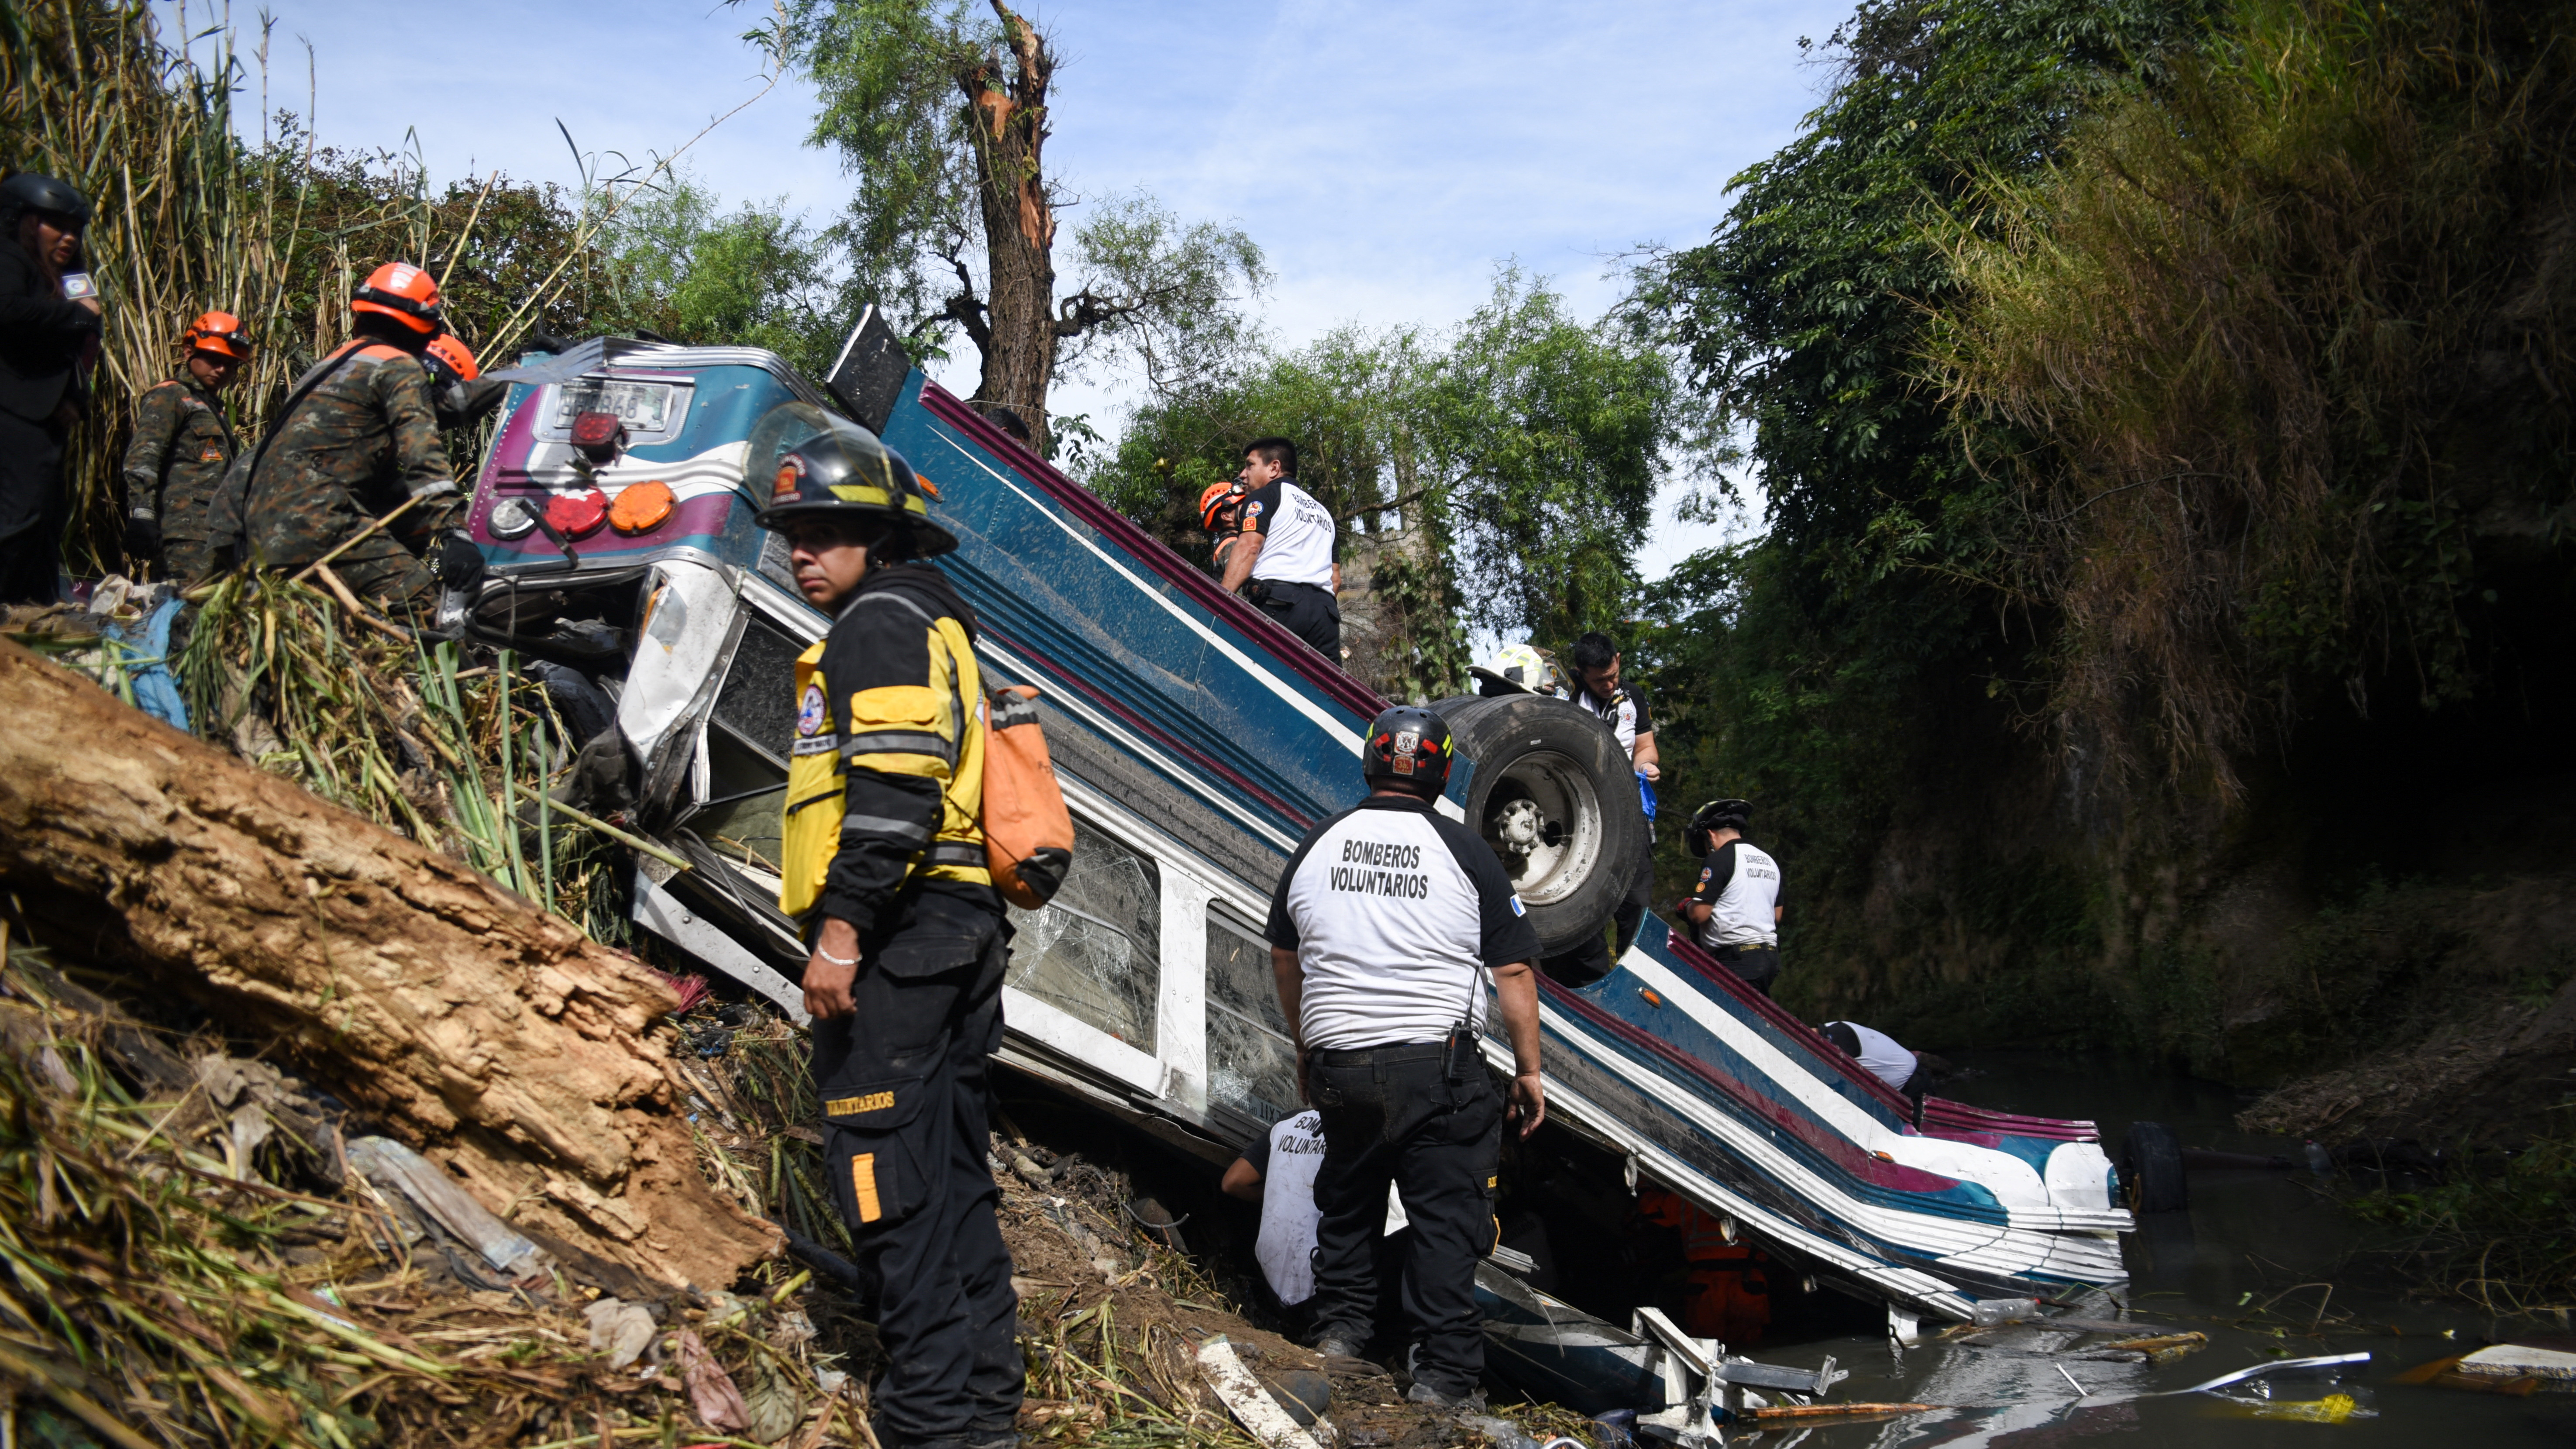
x: 883, y: 850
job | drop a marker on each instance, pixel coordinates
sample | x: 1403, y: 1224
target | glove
x: 458, y: 563
x: 548, y: 342
x: 142, y: 538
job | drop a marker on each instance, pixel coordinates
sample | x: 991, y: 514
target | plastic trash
x: 2332, y: 1409
x: 2265, y: 1371
x: 2320, y: 1161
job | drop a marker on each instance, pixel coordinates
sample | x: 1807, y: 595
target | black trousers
x: 1309, y: 611
x: 1755, y: 966
x: 33, y: 509
x: 1391, y: 1115
x: 905, y: 1103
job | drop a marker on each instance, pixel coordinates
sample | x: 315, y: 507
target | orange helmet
x: 1215, y: 500
x: 450, y: 349
x: 220, y: 333
x: 403, y: 292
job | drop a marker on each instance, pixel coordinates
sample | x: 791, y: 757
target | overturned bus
x: 1196, y: 741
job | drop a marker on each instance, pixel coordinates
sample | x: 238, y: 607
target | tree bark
x: 513, y: 1051
x: 1008, y: 119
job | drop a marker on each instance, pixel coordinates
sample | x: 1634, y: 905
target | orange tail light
x: 642, y: 508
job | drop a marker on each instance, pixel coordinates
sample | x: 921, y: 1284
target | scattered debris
x: 1245, y: 1398
x: 2524, y: 1360
x: 2516, y: 1369
x: 622, y: 1331
x: 2163, y: 1348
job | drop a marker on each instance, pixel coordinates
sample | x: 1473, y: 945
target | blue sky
x: 1385, y: 155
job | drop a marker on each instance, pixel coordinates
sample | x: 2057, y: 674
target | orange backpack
x: 1028, y: 834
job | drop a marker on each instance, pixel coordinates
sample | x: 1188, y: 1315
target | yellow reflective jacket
x: 885, y: 780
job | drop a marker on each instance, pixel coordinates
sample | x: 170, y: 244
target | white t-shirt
x: 1625, y: 712
x: 1879, y: 1052
x: 1393, y: 911
x: 1286, y: 1246
x: 1740, y: 883
x: 1296, y: 535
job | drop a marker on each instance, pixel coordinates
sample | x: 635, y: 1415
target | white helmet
x: 1517, y: 669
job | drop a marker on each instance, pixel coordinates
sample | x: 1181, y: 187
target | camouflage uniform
x: 365, y: 440
x: 173, y: 467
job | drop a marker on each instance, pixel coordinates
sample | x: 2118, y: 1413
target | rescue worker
x: 1883, y: 1057
x: 1277, y: 1170
x: 1283, y: 552
x: 1736, y: 909
x: 1382, y: 926
x: 458, y: 391
x: 1621, y: 704
x: 1730, y: 1298
x: 358, y: 436
x: 182, y: 445
x: 1221, y: 514
x: 46, y: 338
x: 883, y: 850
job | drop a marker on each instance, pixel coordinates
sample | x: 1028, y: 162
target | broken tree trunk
x: 511, y: 1049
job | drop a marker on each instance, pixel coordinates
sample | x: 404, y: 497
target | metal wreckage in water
x: 1197, y: 741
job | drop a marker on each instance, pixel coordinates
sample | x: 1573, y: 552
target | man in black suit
x: 43, y: 339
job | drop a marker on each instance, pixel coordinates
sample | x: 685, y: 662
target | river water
x: 2250, y: 1237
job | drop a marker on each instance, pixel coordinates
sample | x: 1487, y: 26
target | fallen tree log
x: 508, y: 1048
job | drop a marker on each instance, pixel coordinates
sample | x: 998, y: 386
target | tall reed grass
x: 463, y: 759
x: 2291, y: 332
x: 209, y: 194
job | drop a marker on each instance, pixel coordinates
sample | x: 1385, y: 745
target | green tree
x: 754, y: 277
x: 1501, y: 475
x: 942, y: 115
x: 1866, y: 607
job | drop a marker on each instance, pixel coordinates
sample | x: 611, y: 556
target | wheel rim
x: 1543, y: 819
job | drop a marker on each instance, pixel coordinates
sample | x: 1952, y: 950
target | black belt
x: 1276, y: 584
x: 1739, y: 948
x: 1404, y: 1051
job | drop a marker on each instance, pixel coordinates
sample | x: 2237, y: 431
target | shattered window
x: 1251, y: 1066
x: 1096, y: 950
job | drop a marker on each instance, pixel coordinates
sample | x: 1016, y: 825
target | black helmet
x: 1713, y: 816
x: 809, y: 463
x: 1409, y: 745
x: 34, y: 191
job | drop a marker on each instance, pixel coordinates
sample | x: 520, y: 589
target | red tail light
x: 599, y: 435
x: 577, y: 514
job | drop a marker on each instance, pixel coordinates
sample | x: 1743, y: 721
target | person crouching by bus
x: 1910, y: 1072
x: 1736, y: 909
x: 1278, y: 1170
x: 883, y: 855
